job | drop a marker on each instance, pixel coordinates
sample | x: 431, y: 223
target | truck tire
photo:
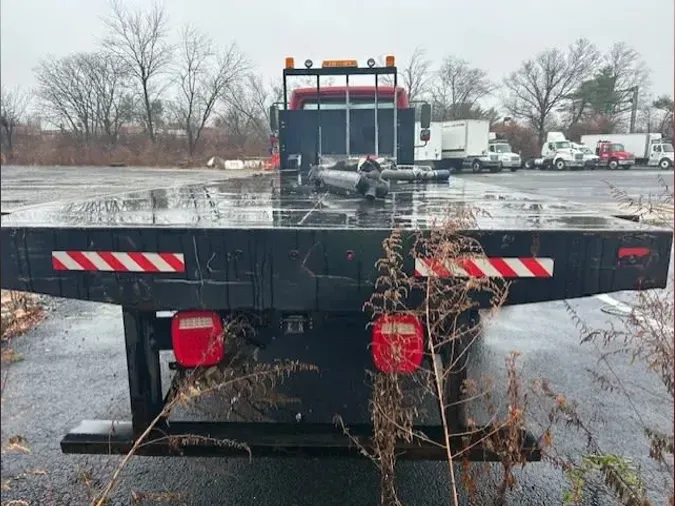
x: 476, y: 166
x: 613, y: 164
x: 665, y: 164
x: 529, y: 164
x: 560, y: 164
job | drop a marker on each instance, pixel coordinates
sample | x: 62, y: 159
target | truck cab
x: 505, y: 154
x: 556, y: 153
x: 661, y: 154
x: 614, y: 155
x: 591, y: 160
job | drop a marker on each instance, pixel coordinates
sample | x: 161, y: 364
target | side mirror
x: 274, y: 118
x: 425, y: 135
x: 425, y: 116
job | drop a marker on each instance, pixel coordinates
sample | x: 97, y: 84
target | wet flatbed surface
x: 259, y: 202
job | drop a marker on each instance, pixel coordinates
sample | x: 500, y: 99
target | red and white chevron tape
x: 115, y: 261
x: 482, y: 267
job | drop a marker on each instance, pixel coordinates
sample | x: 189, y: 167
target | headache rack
x: 346, y: 68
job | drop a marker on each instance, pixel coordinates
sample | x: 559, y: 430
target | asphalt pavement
x: 74, y: 368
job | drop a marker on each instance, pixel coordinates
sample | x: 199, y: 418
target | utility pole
x: 633, y: 109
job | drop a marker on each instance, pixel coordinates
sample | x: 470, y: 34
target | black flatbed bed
x: 257, y: 202
x: 255, y: 244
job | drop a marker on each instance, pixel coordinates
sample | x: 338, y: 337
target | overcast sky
x: 493, y: 34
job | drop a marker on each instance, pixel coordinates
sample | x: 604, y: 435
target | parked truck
x: 504, y: 151
x: 463, y: 144
x: 624, y: 150
x: 296, y: 266
x: 556, y: 153
x: 591, y: 160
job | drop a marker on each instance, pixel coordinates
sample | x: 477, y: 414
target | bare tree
x: 13, y: 105
x: 414, y: 75
x: 138, y: 39
x: 203, y: 76
x: 457, y: 88
x: 85, y: 93
x: 541, y: 85
x: 65, y: 87
x: 246, y: 113
x: 114, y: 99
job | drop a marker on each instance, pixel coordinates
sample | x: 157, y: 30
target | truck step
x: 206, y: 439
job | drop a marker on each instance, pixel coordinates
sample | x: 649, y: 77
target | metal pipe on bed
x: 400, y: 174
x: 363, y: 177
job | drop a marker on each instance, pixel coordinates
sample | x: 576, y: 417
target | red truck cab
x: 614, y: 155
x: 360, y: 97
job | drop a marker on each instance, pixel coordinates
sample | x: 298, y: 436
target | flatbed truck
x: 299, y: 263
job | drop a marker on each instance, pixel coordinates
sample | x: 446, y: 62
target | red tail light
x: 398, y: 344
x: 197, y: 338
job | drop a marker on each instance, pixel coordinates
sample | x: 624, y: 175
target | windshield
x: 562, y: 145
x: 667, y: 148
x: 586, y: 150
x: 502, y: 148
x: 617, y: 147
x: 354, y: 103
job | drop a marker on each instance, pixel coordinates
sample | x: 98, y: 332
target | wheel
x: 665, y: 164
x: 560, y: 164
x: 613, y: 164
x: 529, y: 164
x: 476, y: 166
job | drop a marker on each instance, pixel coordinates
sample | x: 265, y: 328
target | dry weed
x: 645, y: 335
x: 448, y: 308
x: 238, y: 377
x: 20, y: 312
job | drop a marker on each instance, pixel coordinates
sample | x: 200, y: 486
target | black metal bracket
x: 341, y: 71
x: 205, y: 439
x: 145, y: 379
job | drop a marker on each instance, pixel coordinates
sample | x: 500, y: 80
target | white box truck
x: 459, y: 144
x: 649, y: 149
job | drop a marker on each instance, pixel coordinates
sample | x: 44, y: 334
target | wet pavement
x: 74, y: 368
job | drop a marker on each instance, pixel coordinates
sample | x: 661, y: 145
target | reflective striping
x: 485, y: 267
x: 116, y: 261
x: 62, y: 259
x: 98, y: 262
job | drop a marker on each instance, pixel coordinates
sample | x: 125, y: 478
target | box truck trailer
x: 463, y: 144
x: 621, y: 150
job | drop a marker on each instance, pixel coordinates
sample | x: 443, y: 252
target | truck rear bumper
x: 191, y: 439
